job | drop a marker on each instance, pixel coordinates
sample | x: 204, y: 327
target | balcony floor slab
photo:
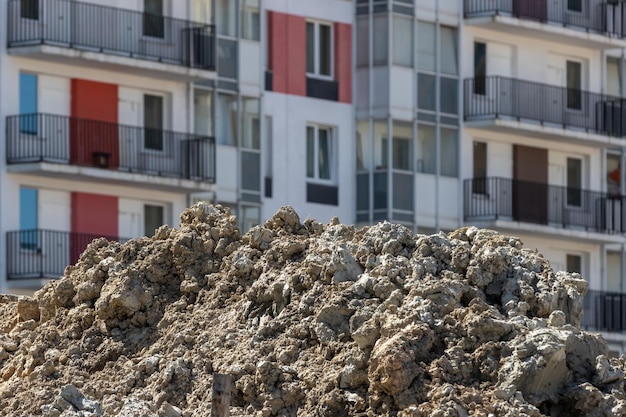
x: 99, y: 175
x: 550, y: 31
x: 112, y: 62
x: 545, y: 131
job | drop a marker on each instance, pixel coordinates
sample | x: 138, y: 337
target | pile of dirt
x: 309, y: 320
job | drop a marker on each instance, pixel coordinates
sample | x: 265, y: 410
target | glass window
x: 479, y: 176
x: 251, y: 216
x: 362, y: 41
x: 613, y: 175
x: 202, y: 11
x: 153, y: 122
x: 28, y: 104
x: 402, y: 41
x: 318, y: 49
x: 574, y: 263
x: 226, y: 12
x: 152, y: 218
x: 426, y: 91
x: 613, y: 77
x: 28, y: 218
x: 575, y: 5
x: 480, y: 67
x: 574, y: 85
x: 203, y: 112
x: 574, y: 181
x: 251, y: 24
x: 251, y: 124
x: 449, y: 64
x: 227, y: 58
x: 381, y: 47
x: 226, y: 122
x: 319, y: 153
x: 153, y: 20
x: 269, y: 146
x: 29, y: 9
x: 449, y: 157
x: 426, y: 149
x: 449, y: 95
x: 251, y: 171
x: 426, y: 46
x: 613, y: 272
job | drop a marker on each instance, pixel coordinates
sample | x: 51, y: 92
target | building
x: 505, y: 114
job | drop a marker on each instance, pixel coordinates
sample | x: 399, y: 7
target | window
x: 226, y: 14
x: 251, y: 24
x: 153, y: 20
x: 479, y: 183
x: 318, y: 49
x: 613, y: 77
x: 29, y: 9
x: 449, y: 153
x: 574, y: 85
x: 574, y: 181
x: 319, y: 162
x: 152, y: 218
x: 251, y: 124
x: 449, y: 64
x: 448, y: 95
x: 203, y: 112
x: 28, y: 104
x: 426, y: 46
x: 153, y: 122
x: 362, y: 41
x: 250, y: 217
x: 613, y: 174
x: 226, y: 122
x: 575, y: 5
x: 381, y: 38
x: 401, y: 153
x: 426, y: 149
x: 28, y: 218
x: 202, y: 11
x: 402, y: 41
x: 426, y: 88
x: 574, y: 263
x: 480, y: 68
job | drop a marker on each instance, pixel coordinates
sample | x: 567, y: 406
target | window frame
x: 331, y: 155
x: 317, y: 51
x: 160, y: 19
x: 574, y: 95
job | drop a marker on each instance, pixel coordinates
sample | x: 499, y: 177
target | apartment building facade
x: 505, y: 114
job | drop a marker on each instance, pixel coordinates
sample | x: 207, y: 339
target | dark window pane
x: 480, y: 168
x: 324, y: 154
x: 402, y: 153
x: 310, y: 152
x: 251, y: 171
x: 28, y: 218
x: 152, y: 218
x: 29, y: 9
x: 153, y: 20
x: 449, y: 95
x: 574, y: 82
x: 426, y: 91
x: 153, y: 122
x: 574, y: 181
x: 575, y: 5
x: 480, y: 67
x: 310, y: 47
x: 574, y: 263
x: 324, y: 50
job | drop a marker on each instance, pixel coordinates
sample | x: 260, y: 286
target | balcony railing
x: 80, y: 142
x: 90, y: 27
x: 500, y: 97
x: 601, y: 17
x: 531, y: 202
x: 33, y: 254
x: 604, y: 311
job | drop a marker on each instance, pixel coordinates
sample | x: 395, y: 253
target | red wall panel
x: 91, y: 101
x: 287, y: 52
x: 343, y: 61
x: 93, y: 215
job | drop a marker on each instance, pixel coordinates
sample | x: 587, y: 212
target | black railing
x: 37, y: 253
x: 70, y: 141
x: 531, y: 202
x: 500, y: 97
x: 604, y: 311
x: 602, y: 17
x: 110, y: 30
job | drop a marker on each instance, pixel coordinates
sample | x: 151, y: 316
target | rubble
x: 309, y: 319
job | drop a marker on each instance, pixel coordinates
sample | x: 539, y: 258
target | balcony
x: 604, y: 311
x: 494, y: 200
x: 44, y: 254
x: 592, y: 23
x: 508, y: 104
x: 51, y: 145
x: 99, y: 36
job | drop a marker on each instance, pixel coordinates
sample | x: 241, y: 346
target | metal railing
x: 91, y: 27
x: 66, y: 140
x: 37, y: 253
x: 607, y: 18
x: 604, y: 311
x: 531, y: 202
x: 497, y: 97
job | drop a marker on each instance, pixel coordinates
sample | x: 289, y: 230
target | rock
x: 308, y: 319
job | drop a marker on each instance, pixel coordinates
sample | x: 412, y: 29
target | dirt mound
x: 309, y: 320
